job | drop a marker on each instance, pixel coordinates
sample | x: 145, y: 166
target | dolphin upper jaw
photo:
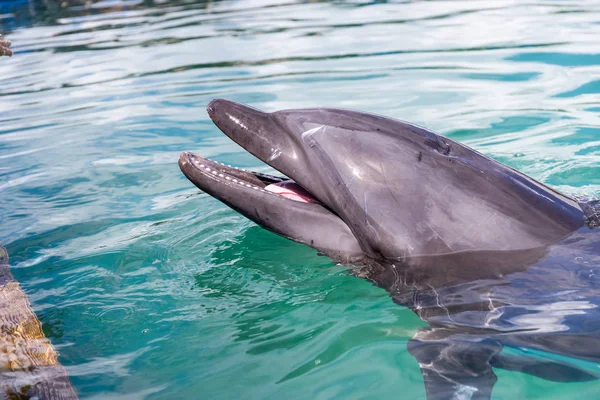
x: 257, y: 132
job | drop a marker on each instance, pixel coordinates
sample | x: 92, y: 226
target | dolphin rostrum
x: 490, y: 258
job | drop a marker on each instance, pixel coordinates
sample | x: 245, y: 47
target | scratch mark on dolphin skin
x: 372, y: 231
x: 444, y: 188
x: 274, y: 154
x: 306, y: 135
x: 438, y: 235
x: 387, y: 184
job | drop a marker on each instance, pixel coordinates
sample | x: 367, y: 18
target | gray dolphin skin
x: 504, y: 269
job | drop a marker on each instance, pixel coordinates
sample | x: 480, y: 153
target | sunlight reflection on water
x: 100, y: 98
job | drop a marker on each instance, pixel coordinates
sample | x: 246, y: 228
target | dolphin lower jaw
x: 245, y: 191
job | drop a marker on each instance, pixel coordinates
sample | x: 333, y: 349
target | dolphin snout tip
x: 214, y: 105
x: 184, y: 157
x: 210, y: 107
x: 186, y: 164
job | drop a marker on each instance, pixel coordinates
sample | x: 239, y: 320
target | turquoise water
x: 151, y: 289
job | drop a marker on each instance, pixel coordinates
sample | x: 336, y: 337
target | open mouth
x: 242, y: 179
x: 276, y: 203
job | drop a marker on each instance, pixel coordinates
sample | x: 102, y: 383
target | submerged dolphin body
x: 493, y: 260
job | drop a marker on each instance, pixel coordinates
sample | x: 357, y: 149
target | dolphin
x: 493, y: 260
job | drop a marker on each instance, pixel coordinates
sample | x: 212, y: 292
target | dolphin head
x: 378, y: 187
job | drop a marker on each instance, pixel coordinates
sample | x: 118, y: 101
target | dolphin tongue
x: 291, y: 190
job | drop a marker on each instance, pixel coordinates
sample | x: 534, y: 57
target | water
x: 150, y: 289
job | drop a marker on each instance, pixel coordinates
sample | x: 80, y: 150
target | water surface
x: 151, y: 289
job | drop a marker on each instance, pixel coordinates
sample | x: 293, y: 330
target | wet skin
x: 492, y: 259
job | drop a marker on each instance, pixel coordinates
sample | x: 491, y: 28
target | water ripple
x: 151, y: 289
